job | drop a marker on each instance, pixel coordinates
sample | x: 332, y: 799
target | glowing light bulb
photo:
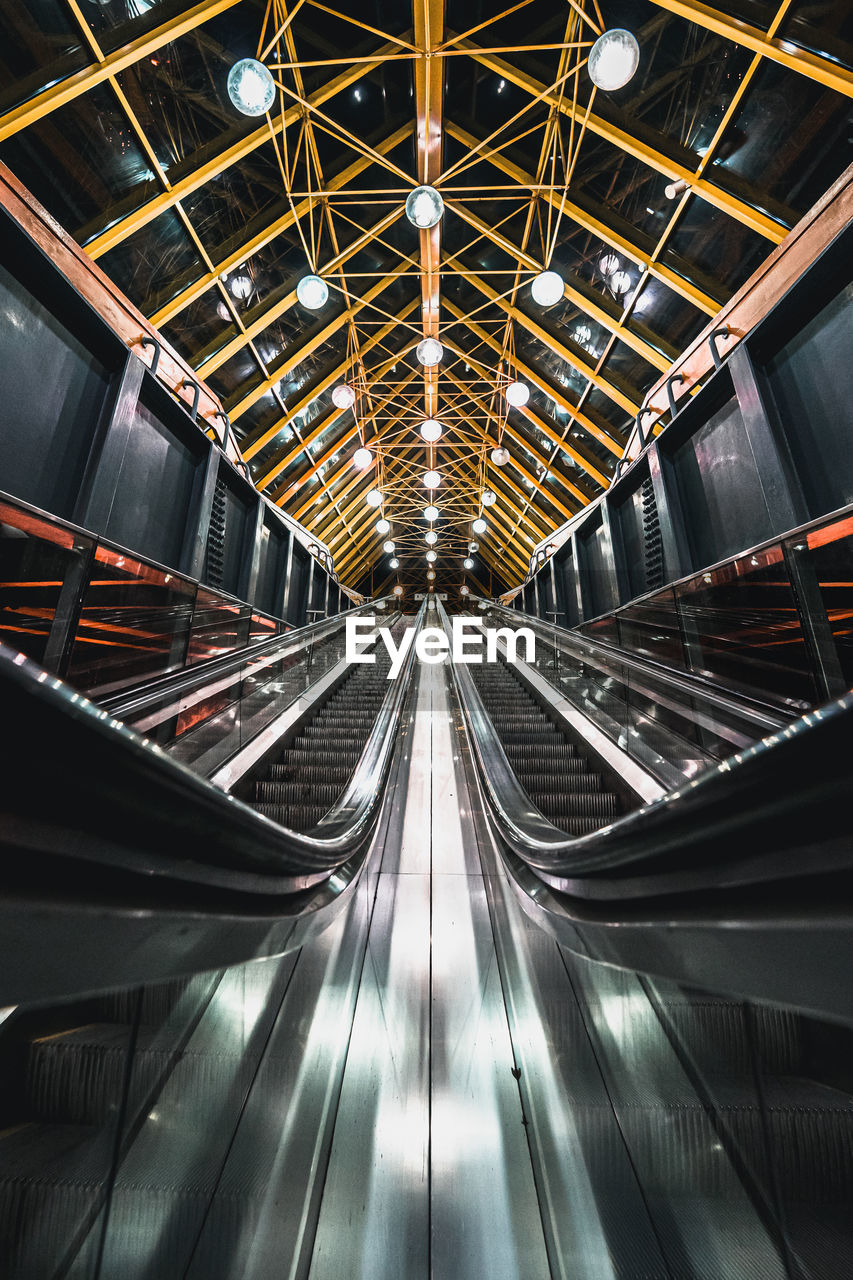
x: 608, y: 264
x: 517, y: 394
x: 424, y: 208
x: 430, y: 575
x: 431, y: 556
x: 468, y: 563
x: 362, y: 458
x: 374, y: 498
x: 431, y: 479
x: 431, y: 430
x: 241, y: 286
x: 547, y: 288
x: 394, y: 564
x: 383, y: 526
x: 429, y: 352
x: 343, y: 396
x: 620, y: 282
x: 473, y: 546
x: 388, y: 547
x: 312, y: 292
x: 430, y: 513
x: 398, y: 591
x: 464, y: 591
x: 488, y: 497
x: 613, y: 59
x: 479, y: 526
x: 430, y: 537
x: 500, y: 456
x: 251, y: 87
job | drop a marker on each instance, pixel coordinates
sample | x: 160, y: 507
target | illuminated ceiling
x: 117, y: 117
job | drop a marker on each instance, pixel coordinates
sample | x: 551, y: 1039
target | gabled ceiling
x: 115, y: 114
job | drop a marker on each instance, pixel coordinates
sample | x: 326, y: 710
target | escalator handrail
x: 133, y: 701
x: 126, y: 804
x: 609, y: 657
x: 747, y: 820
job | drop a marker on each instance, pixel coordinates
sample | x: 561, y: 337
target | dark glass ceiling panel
x: 40, y: 44
x: 81, y: 159
x: 822, y: 28
x: 716, y: 243
x: 771, y: 142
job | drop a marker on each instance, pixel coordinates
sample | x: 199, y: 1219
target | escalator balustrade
x: 551, y: 766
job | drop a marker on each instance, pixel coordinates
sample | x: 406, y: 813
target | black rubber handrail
x: 777, y: 811
x: 77, y: 784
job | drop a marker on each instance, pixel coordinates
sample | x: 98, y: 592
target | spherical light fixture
x: 251, y: 87
x: 582, y: 333
x: 241, y: 286
x: 608, y: 264
x: 547, y: 288
x: 343, y: 396
x: 468, y: 563
x: 430, y: 513
x: 431, y: 430
x: 374, y: 498
x: 517, y: 394
x: 620, y: 282
x: 431, y: 479
x: 431, y: 557
x: 383, y: 526
x: 500, y: 456
x: 473, y: 546
x: 398, y: 590
x: 430, y: 575
x: 464, y: 591
x: 429, y: 352
x: 388, y: 547
x: 222, y: 311
x: 488, y: 497
x: 362, y: 458
x: 394, y: 564
x: 424, y: 208
x: 430, y: 537
x: 479, y: 526
x: 312, y: 292
x: 613, y: 59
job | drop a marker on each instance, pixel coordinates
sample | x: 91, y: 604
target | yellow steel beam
x: 642, y: 151
x: 615, y: 443
x: 268, y: 234
x: 65, y: 91
x: 591, y: 466
x: 830, y: 74
x: 628, y: 403
x: 588, y: 222
x: 272, y: 313
x: 660, y: 360
x: 124, y: 227
x: 329, y: 380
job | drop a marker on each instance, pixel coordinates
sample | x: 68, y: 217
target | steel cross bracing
x: 513, y: 197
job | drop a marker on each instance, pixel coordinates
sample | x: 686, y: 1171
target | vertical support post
x: 198, y: 518
x: 814, y: 620
x: 97, y: 492
x: 783, y: 494
x: 63, y: 629
x: 677, y: 559
x: 250, y: 567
